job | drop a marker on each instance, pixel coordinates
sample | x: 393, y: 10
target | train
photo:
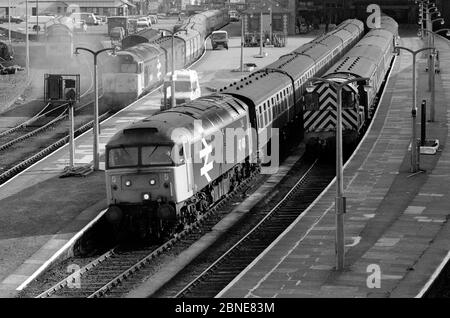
x: 163, y: 172
x: 370, y: 58
x: 59, y: 37
x: 144, y: 61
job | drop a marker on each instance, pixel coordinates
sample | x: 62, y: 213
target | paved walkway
x: 395, y: 222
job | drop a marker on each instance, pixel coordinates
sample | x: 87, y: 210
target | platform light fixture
x: 96, y: 152
x: 414, y: 153
x: 340, y: 204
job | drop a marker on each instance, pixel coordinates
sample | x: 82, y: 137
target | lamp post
x: 431, y: 44
x: 96, y: 153
x: 27, y: 41
x: 261, y: 50
x: 340, y: 199
x: 172, y: 77
x: 271, y: 27
x: 242, y: 43
x: 414, y: 154
x: 9, y: 21
x: 37, y: 21
x: 431, y: 70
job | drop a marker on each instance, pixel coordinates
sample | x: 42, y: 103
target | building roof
x: 81, y: 3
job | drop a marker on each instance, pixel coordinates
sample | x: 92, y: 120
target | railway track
x: 110, y: 270
x: 223, y: 261
x: 19, y: 158
x: 38, y: 123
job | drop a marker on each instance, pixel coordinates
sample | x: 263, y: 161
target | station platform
x: 396, y: 225
x: 41, y: 213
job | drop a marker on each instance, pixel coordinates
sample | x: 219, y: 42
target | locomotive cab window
x: 156, y: 155
x: 127, y: 64
x: 348, y: 100
x: 123, y: 157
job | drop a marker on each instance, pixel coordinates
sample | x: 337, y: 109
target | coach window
x: 347, y: 99
x: 266, y: 120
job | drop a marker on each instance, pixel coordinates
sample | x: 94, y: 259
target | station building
x: 58, y: 7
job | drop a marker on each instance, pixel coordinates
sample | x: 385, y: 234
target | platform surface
x: 396, y: 226
x: 40, y: 213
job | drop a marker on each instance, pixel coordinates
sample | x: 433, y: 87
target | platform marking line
x: 446, y: 258
x: 252, y: 264
x: 433, y: 276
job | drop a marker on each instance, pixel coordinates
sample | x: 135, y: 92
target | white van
x: 187, y: 88
x: 88, y: 18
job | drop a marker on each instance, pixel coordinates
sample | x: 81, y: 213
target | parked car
x: 143, y: 23
x: 173, y: 12
x: 80, y: 25
x: 102, y: 19
x: 305, y: 28
x: 4, y: 19
x: 153, y: 19
x: 88, y: 18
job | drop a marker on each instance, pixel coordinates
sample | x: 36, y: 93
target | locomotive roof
x: 166, y: 42
x: 143, y: 36
x: 142, y: 52
x: 187, y: 35
x: 389, y: 24
x: 213, y: 112
x: 254, y: 87
x: 294, y: 65
x: 210, y: 13
x: 362, y: 66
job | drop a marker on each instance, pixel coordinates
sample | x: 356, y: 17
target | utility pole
x: 27, y: 44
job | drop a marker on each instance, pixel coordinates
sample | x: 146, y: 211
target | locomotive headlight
x: 128, y: 183
x: 146, y: 196
x: 152, y: 182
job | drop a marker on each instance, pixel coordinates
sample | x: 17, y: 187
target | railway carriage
x: 370, y: 58
x: 194, y: 45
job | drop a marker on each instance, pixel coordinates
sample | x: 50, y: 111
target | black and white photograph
x: 224, y: 156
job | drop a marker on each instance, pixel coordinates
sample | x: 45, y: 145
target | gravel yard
x: 12, y: 87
